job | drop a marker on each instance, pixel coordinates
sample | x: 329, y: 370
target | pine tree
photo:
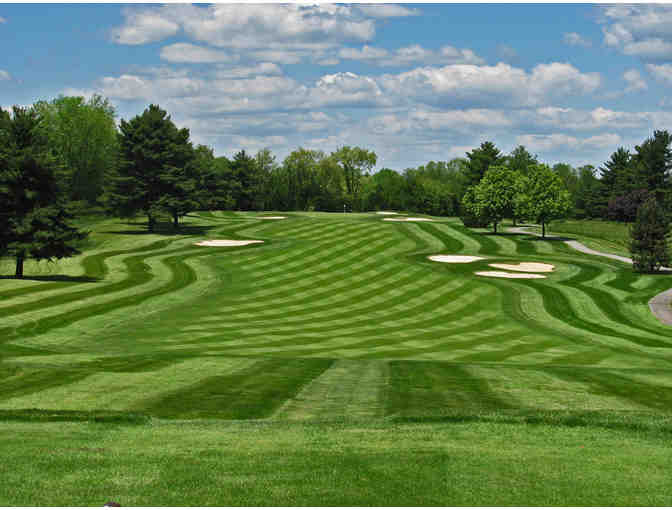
x: 479, y: 160
x: 155, y: 174
x: 33, y: 211
x: 648, y: 244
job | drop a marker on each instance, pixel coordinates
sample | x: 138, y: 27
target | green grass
x: 495, y: 461
x: 348, y: 367
x: 605, y: 236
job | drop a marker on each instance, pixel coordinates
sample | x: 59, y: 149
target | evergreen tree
x: 156, y: 174
x: 34, y: 219
x: 479, y: 160
x: 248, y: 183
x: 520, y: 160
x: 617, y: 175
x: 653, y: 161
x: 648, y: 244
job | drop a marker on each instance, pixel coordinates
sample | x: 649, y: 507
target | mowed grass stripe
x: 252, y: 393
x: 95, y: 268
x: 120, y: 390
x: 419, y: 388
x: 181, y: 276
x: 349, y: 389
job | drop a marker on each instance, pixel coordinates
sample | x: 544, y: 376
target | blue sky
x: 413, y: 82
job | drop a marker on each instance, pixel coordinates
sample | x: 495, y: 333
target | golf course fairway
x: 333, y: 363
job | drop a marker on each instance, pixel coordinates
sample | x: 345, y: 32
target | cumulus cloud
x: 643, y: 30
x: 500, y: 84
x: 574, y: 39
x: 634, y: 80
x: 264, y: 68
x: 558, y: 141
x: 248, y: 25
x: 414, y: 54
x: 662, y: 72
x: 4, y: 75
x: 387, y: 10
x: 144, y: 26
x: 185, y: 52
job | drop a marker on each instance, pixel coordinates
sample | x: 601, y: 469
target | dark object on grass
x: 111, y: 503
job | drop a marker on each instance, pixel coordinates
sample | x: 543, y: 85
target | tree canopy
x: 155, y: 174
x: 35, y: 222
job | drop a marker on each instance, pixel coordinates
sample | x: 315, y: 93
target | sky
x: 412, y: 82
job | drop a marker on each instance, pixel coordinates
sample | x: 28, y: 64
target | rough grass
x: 460, y: 387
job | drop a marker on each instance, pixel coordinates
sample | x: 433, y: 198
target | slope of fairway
x: 332, y: 316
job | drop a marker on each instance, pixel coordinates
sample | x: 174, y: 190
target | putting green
x: 333, y: 315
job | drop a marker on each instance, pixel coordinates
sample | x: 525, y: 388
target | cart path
x: 660, y: 305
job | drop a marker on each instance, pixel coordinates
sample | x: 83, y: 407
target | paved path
x: 660, y: 305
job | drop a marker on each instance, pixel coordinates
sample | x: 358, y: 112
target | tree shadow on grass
x: 54, y: 278
x: 165, y: 229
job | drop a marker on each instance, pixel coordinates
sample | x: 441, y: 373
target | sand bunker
x: 528, y: 267
x: 407, y: 219
x: 225, y: 242
x: 504, y: 274
x: 454, y: 259
x: 386, y: 212
x: 272, y: 217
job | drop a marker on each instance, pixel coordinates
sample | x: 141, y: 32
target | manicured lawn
x: 605, y: 236
x: 330, y: 364
x: 346, y: 464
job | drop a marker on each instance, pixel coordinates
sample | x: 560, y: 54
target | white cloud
x: 4, y: 75
x: 366, y: 53
x: 387, y: 10
x: 634, y: 80
x: 2, y: 20
x: 557, y: 141
x: 574, y: 39
x: 185, y: 52
x: 264, y: 68
x: 279, y: 56
x: 662, y: 72
x: 643, y: 30
x: 328, y: 62
x: 144, y: 26
x: 414, y: 54
x: 484, y: 85
x: 248, y: 26
x: 462, y: 119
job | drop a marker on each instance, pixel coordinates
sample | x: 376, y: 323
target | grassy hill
x: 337, y: 326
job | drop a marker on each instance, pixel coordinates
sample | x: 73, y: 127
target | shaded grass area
x: 485, y: 462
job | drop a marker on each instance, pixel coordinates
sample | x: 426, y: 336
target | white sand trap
x: 225, y: 242
x: 504, y: 274
x: 407, y: 219
x: 387, y: 212
x: 454, y: 259
x: 528, y: 267
x: 272, y: 217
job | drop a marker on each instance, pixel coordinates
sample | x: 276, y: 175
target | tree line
x: 68, y: 155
